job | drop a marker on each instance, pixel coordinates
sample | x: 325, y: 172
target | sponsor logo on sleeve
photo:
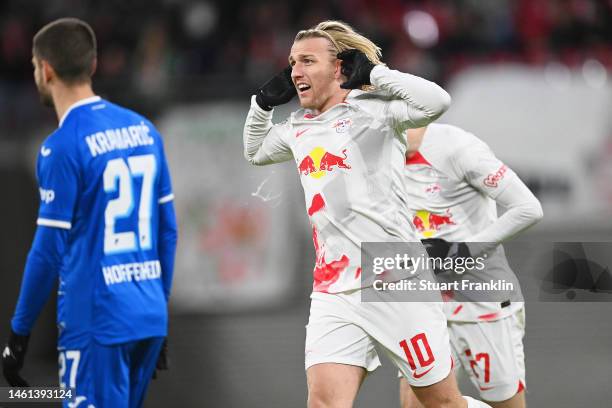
x: 493, y: 179
x: 45, y: 151
x: 46, y: 196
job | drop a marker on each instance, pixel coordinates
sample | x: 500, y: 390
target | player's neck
x: 334, y: 100
x: 415, y: 138
x: 66, y: 96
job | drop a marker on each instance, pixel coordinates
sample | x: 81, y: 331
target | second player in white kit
x: 453, y: 184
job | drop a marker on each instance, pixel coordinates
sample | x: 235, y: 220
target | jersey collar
x: 81, y: 102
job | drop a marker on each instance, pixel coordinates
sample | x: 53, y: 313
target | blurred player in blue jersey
x: 106, y: 230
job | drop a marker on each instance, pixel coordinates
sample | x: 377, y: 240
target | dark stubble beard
x: 45, y: 98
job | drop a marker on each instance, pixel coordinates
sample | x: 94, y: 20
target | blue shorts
x: 114, y: 375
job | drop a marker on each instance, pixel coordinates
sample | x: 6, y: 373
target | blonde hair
x: 342, y: 37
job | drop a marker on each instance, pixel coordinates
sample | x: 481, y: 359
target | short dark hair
x: 69, y: 45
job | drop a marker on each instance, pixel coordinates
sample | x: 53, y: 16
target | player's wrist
x: 259, y: 99
x: 18, y: 342
x: 17, y: 330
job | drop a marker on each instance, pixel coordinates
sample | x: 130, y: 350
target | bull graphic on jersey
x: 319, y: 161
x: 428, y: 224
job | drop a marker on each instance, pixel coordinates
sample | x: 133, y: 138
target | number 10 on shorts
x: 418, y: 346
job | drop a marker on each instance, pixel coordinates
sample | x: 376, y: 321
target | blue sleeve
x: 167, y: 244
x: 168, y: 234
x: 58, y: 181
x: 39, y: 277
x: 165, y: 184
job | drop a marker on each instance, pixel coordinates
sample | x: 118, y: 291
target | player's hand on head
x: 13, y: 355
x: 277, y: 91
x: 356, y: 67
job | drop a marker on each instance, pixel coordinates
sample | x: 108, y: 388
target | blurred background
x: 532, y: 78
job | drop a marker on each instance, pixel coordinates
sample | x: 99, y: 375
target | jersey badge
x: 342, y: 125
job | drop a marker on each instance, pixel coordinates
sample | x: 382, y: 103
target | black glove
x: 12, y: 359
x: 162, y: 360
x: 440, y: 248
x: 356, y: 67
x: 277, y: 91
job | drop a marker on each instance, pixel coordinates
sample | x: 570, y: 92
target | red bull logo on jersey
x: 319, y: 161
x: 428, y: 224
x: 342, y: 125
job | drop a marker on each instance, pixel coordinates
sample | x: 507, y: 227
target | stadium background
x: 530, y: 77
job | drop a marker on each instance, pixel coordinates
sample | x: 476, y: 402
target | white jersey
x: 451, y: 185
x: 351, y: 161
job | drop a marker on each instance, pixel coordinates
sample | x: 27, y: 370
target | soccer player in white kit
x: 348, y: 142
x: 453, y: 183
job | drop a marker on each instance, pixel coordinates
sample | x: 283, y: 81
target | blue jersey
x: 103, y: 176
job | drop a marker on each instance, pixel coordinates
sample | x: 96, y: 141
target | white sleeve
x: 489, y: 175
x: 264, y: 142
x: 522, y: 211
x: 418, y: 102
x: 476, y: 164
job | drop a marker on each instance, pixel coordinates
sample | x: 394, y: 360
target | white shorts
x: 491, y: 354
x: 342, y: 329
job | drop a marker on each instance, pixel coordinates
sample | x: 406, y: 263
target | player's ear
x: 338, y: 70
x: 94, y: 66
x: 48, y: 73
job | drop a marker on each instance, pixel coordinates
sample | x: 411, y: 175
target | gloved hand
x: 356, y: 67
x: 12, y: 359
x: 440, y: 248
x: 162, y: 360
x: 277, y: 91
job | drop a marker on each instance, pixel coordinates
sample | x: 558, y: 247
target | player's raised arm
x: 418, y: 102
x: 263, y: 141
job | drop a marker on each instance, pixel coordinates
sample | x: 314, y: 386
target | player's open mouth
x: 302, y: 87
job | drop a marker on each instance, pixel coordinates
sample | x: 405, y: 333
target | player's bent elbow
x: 433, y: 113
x: 538, y: 213
x: 251, y: 159
x: 249, y: 155
x: 445, y: 102
x: 257, y: 159
x: 533, y: 212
